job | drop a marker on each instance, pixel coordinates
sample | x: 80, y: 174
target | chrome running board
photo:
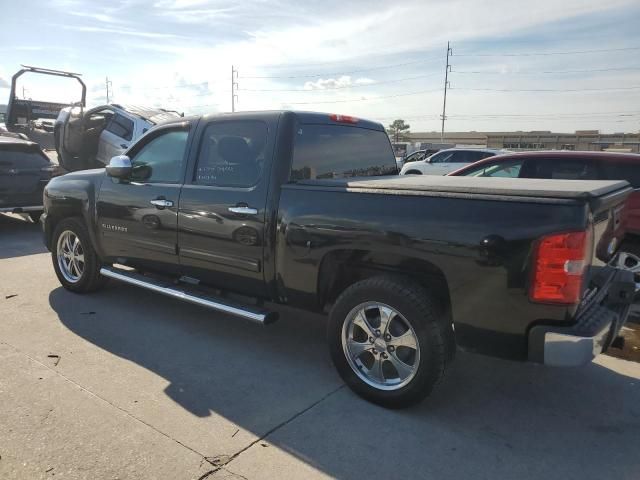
x: 262, y: 317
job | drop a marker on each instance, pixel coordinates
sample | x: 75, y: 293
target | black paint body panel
x: 480, y: 242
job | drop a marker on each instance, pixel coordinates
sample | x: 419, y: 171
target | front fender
x: 73, y: 195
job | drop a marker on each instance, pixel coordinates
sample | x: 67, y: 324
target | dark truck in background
x: 241, y: 211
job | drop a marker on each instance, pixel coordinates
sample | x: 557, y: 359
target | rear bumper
x: 595, y: 328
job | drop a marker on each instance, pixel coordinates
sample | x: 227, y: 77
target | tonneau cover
x: 513, y: 187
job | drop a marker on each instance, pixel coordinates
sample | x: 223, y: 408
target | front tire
x: 388, y: 340
x: 75, y: 261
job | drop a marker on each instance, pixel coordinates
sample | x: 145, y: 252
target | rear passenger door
x: 221, y: 217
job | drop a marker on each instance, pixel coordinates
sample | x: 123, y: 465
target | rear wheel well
x: 342, y: 268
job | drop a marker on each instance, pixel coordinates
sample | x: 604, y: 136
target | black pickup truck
x: 239, y: 212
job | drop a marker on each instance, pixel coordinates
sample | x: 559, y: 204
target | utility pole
x: 234, y: 87
x: 108, y: 83
x: 446, y: 85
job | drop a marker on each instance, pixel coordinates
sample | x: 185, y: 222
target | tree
x: 398, y: 130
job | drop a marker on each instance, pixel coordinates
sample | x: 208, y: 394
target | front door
x: 222, y: 206
x: 137, y: 217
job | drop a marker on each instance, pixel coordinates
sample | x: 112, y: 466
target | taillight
x: 560, y: 263
x: 343, y: 118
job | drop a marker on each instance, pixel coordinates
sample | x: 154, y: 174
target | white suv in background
x: 446, y: 161
x: 89, y: 138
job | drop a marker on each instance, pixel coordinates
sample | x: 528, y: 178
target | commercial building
x: 589, y: 140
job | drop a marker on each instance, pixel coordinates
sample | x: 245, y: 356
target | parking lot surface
x: 126, y: 384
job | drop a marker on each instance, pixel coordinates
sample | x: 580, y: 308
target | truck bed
x: 504, y: 187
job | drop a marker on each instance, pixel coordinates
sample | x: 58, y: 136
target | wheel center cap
x: 380, y: 345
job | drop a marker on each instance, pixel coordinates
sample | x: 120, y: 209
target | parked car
x: 446, y: 161
x: 24, y: 171
x: 89, y: 138
x: 306, y: 209
x: 568, y: 165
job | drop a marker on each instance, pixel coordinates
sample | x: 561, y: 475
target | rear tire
x: 402, y: 357
x: 75, y: 261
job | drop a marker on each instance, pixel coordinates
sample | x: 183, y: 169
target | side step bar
x: 263, y: 317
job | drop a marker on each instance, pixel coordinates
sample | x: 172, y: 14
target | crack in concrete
x: 271, y: 431
x: 220, y: 461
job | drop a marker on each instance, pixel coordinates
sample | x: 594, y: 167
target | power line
x: 522, y: 115
x: 367, y: 99
x: 352, y: 59
x: 542, y: 90
x: 534, y: 54
x: 495, y: 72
x: 340, y: 87
x: 382, y: 67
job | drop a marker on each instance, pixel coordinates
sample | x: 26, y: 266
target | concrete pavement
x: 127, y: 384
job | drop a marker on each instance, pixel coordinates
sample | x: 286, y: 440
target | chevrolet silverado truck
x: 241, y: 212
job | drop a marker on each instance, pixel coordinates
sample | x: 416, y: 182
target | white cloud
x: 335, y: 83
x: 117, y: 31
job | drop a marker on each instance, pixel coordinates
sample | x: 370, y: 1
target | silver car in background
x: 446, y: 161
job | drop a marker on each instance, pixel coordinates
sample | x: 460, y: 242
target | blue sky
x: 373, y: 59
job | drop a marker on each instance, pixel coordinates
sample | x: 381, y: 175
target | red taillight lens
x: 559, y: 266
x: 343, y: 118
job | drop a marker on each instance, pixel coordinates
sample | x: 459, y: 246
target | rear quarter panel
x: 483, y: 248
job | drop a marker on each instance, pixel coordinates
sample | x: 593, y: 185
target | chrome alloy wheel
x: 380, y: 346
x: 70, y: 255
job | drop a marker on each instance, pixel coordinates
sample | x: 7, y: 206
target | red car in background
x: 568, y: 165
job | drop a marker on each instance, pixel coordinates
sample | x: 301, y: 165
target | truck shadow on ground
x: 19, y: 237
x: 488, y: 418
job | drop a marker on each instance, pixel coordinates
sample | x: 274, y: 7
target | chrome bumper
x: 595, y: 327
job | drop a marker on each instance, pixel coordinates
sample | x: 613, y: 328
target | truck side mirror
x: 119, y: 167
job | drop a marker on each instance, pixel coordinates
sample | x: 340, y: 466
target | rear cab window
x: 323, y: 151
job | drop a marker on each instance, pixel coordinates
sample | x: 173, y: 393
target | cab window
x: 121, y: 126
x: 232, y: 154
x: 161, y: 158
x: 442, y: 157
x: 415, y: 157
x: 337, y: 151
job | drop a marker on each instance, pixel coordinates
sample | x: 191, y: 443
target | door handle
x: 161, y: 203
x: 124, y: 145
x: 244, y: 210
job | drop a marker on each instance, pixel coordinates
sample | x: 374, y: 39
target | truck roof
x: 510, y: 187
x: 302, y: 116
